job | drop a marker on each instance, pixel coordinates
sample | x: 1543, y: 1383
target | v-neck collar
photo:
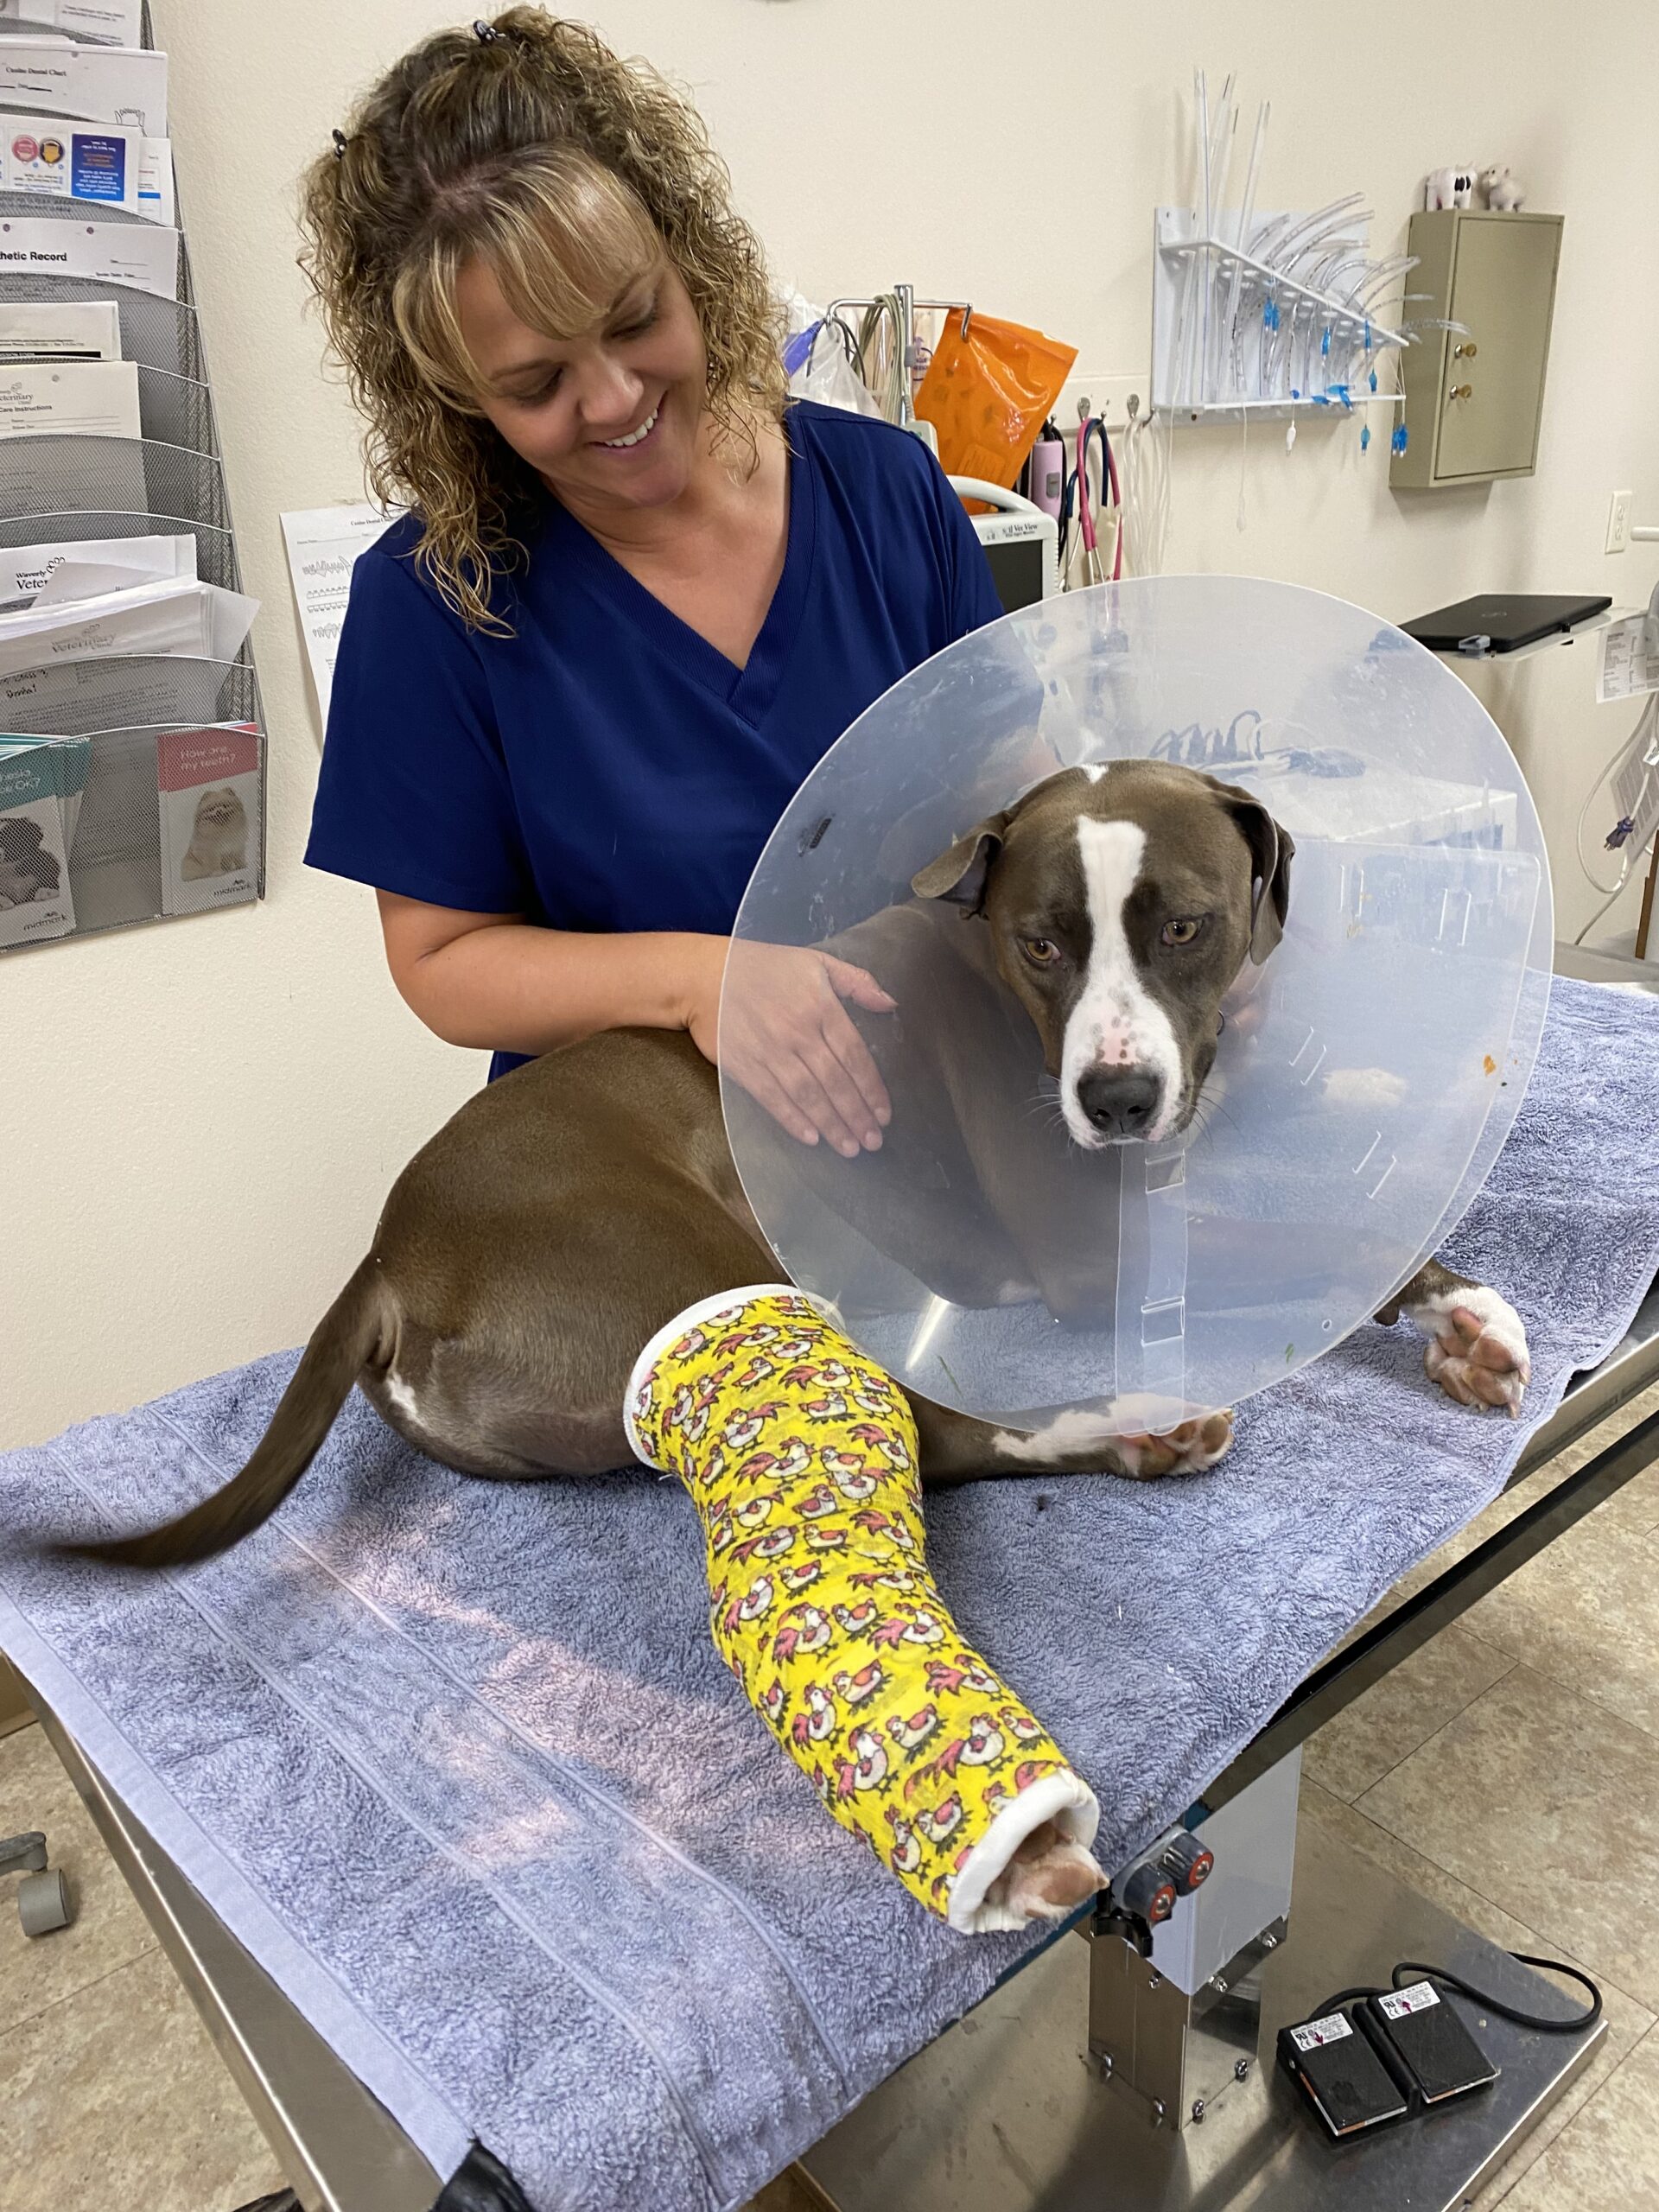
x: 749, y: 691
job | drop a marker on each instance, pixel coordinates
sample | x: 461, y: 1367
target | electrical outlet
x: 1618, y: 522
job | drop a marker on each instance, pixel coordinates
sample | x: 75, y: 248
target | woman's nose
x: 611, y: 394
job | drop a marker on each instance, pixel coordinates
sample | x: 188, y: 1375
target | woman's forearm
x: 512, y: 987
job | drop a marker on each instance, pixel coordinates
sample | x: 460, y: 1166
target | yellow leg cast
x: 800, y: 1455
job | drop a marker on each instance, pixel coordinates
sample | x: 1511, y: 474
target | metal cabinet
x: 1474, y: 395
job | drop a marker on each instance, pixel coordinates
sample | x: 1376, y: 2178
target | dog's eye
x: 1182, y: 932
x: 1039, y: 950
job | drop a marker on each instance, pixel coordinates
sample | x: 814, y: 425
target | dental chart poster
x: 323, y: 544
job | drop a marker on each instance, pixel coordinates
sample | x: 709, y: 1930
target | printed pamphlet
x: 171, y: 615
x: 208, y: 782
x: 36, y: 902
x: 93, y: 568
x: 43, y: 156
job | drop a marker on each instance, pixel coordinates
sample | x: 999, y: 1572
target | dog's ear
x: 960, y: 875
x: 1271, y: 852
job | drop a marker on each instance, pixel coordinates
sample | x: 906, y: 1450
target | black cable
x: 1412, y: 1969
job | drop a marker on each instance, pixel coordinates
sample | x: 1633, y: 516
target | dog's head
x: 1122, y: 903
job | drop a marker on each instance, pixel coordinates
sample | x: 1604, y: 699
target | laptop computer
x: 1506, y: 619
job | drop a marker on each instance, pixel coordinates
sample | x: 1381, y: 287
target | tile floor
x: 1509, y: 1771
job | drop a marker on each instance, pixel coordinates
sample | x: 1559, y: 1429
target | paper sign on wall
x: 323, y: 545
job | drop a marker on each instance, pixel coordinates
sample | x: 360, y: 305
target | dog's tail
x: 349, y: 1335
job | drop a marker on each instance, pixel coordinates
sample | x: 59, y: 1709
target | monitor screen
x: 1017, y: 571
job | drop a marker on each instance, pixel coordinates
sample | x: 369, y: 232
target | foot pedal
x: 1342, y: 2081
x: 1431, y: 2050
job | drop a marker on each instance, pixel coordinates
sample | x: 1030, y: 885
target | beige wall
x: 205, y: 1116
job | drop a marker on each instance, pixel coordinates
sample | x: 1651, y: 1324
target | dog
x: 571, y: 1210
x: 29, y: 874
x: 218, y: 836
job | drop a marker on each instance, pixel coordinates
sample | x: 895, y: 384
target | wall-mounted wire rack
x: 111, y: 743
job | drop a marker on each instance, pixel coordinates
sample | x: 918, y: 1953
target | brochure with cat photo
x: 208, y: 785
x: 34, y: 896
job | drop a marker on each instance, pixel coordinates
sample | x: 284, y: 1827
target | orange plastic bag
x: 988, y: 395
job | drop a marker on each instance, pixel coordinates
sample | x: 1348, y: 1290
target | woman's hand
x: 790, y: 1043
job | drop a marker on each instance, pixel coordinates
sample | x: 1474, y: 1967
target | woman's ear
x: 1272, y: 850
x: 960, y: 875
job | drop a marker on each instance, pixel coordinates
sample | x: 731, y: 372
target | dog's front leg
x: 958, y: 1447
x: 1476, y: 1349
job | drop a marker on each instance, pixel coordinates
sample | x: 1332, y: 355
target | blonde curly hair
x: 527, y: 143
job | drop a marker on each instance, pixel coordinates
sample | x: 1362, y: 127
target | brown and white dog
x: 568, y: 1212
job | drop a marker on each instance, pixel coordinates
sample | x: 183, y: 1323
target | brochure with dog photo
x: 35, y: 897
x: 208, y: 782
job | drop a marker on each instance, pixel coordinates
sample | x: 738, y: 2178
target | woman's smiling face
x: 609, y: 420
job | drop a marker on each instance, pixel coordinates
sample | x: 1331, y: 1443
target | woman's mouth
x: 634, y: 437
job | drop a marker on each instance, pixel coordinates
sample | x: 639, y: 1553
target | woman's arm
x: 501, y: 984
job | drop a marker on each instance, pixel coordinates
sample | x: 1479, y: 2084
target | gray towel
x: 457, y: 1761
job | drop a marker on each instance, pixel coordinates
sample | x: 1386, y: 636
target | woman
x: 636, y: 597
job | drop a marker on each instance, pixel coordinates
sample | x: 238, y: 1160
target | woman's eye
x: 1182, y: 932
x: 1039, y: 950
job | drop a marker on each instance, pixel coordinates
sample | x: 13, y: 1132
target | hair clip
x: 340, y: 144
x: 486, y: 33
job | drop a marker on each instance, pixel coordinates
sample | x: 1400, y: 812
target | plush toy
x: 800, y: 1455
x: 1449, y: 188
x: 1500, y: 191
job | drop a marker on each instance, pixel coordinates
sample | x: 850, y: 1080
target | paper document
x: 49, y: 330
x: 88, y: 399
x: 98, y: 84
x: 48, y: 158
x: 171, y: 615
x: 207, y: 788
x: 156, y: 203
x: 100, y: 253
x: 110, y: 23
x: 62, y: 569
x: 323, y: 544
x: 1630, y: 659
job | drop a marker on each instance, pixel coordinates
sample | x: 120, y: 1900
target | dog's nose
x: 1119, y: 1102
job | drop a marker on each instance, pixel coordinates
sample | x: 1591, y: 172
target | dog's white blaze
x: 1116, y: 1022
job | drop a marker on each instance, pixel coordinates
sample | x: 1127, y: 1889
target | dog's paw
x: 1476, y: 1350
x: 1191, y: 1449
x: 1048, y: 1876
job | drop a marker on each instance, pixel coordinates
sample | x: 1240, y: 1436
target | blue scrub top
x: 605, y: 768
